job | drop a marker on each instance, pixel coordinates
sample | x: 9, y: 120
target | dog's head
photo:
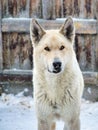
x: 53, y: 48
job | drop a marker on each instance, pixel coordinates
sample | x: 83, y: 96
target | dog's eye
x: 47, y: 48
x: 62, y: 47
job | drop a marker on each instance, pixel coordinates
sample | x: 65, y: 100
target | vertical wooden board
x: 48, y: 9
x: 85, y: 51
x: 23, y: 8
x: 6, y: 51
x: 96, y: 39
x: 4, y: 8
x: 96, y: 52
x: 80, y: 53
x: 35, y: 9
x: 15, y: 8
x: 59, y: 8
x: 9, y: 8
x: 67, y: 8
x: 89, y: 8
x: 53, y: 10
x: 82, y: 7
x: 89, y: 53
x: 76, y: 8
x: 14, y: 51
x: 25, y: 52
x: 12, y: 8
x: 20, y: 48
x: 1, y: 59
x: 93, y: 53
x: 17, y: 51
x: 96, y: 9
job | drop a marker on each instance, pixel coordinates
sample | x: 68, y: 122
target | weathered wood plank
x: 48, y: 9
x: 80, y: 53
x: 82, y: 6
x: 90, y: 78
x: 85, y: 51
x: 67, y: 8
x: 25, y: 52
x: 6, y: 51
x: 96, y: 9
x: 15, y: 78
x: 1, y: 59
x: 17, y: 72
x: 96, y: 39
x: 86, y: 26
x: 89, y: 49
x: 93, y: 53
x: 22, y: 25
x: 87, y: 8
x: 76, y: 7
x: 15, y: 8
x: 35, y: 9
x: 58, y: 9
x: 96, y: 53
x: 17, y: 51
x: 79, y: 8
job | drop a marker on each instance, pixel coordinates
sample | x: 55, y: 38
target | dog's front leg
x: 43, y: 125
x: 73, y: 125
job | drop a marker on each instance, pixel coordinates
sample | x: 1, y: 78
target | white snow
x: 18, y: 113
x: 89, y: 90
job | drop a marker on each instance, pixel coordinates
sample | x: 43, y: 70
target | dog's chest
x: 54, y: 101
x: 55, y: 109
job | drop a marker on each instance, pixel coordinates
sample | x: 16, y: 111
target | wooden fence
x: 16, y: 51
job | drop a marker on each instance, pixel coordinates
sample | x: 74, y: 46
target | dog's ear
x: 36, y: 31
x: 68, y: 29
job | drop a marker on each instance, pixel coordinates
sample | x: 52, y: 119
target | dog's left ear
x: 68, y: 29
x: 36, y: 31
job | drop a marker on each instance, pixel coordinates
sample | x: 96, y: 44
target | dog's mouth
x: 55, y: 71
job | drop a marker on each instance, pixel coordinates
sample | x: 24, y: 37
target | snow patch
x: 89, y: 90
x: 17, y: 113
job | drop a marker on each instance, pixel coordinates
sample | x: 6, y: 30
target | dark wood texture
x: 96, y: 39
x: 91, y: 78
x: 35, y: 9
x: 96, y: 51
x: 15, y: 8
x: 49, y: 9
x: 85, y: 50
x: 1, y: 59
x: 17, y: 51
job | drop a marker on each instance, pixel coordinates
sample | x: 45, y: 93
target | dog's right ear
x: 36, y: 31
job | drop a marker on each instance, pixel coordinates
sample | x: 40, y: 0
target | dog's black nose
x: 57, y: 67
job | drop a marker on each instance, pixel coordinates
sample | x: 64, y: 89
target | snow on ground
x: 17, y: 113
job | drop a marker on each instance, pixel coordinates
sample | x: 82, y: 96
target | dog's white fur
x: 57, y: 96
